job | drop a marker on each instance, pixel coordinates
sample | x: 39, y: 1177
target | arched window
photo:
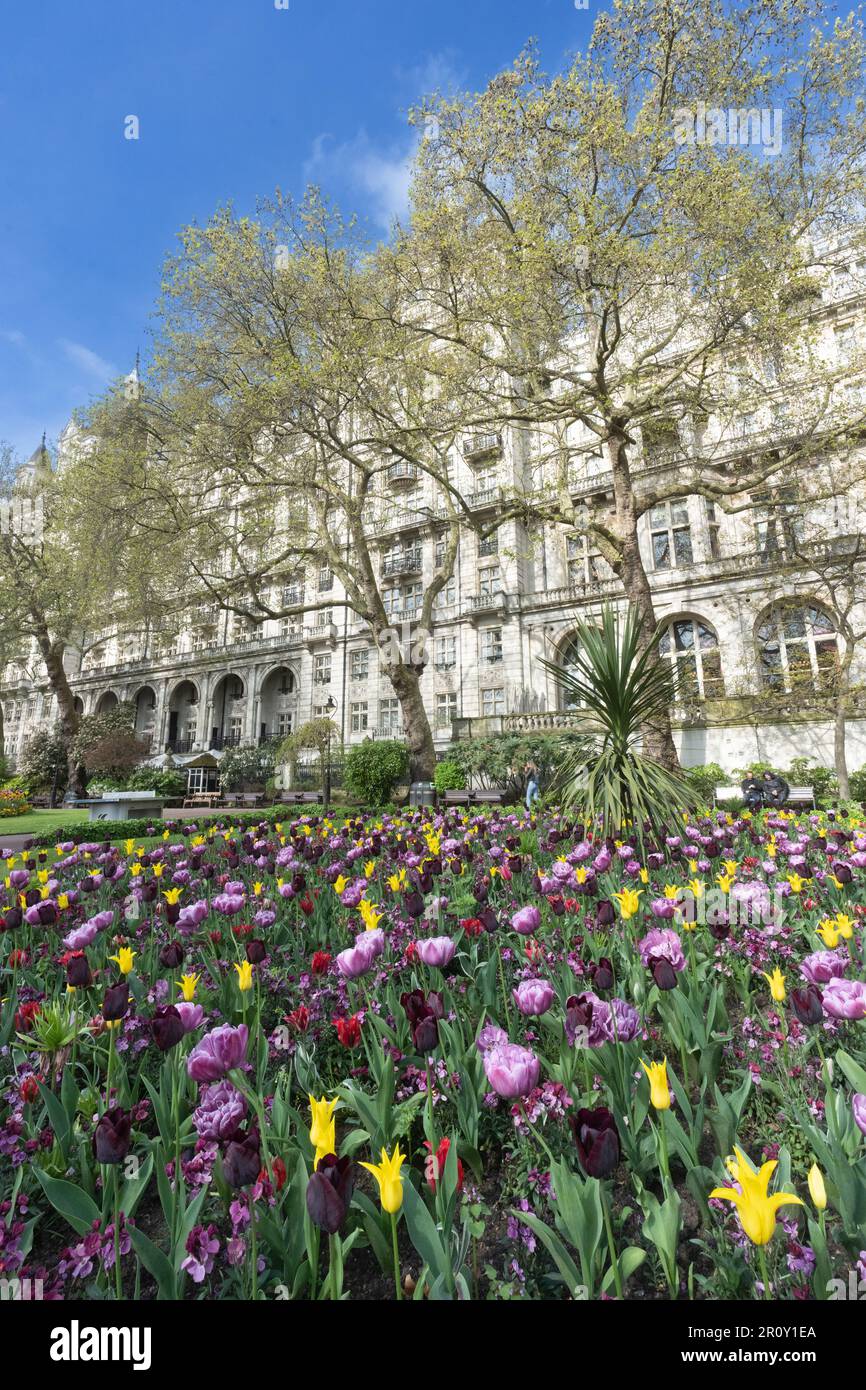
x: 797, y: 647
x: 693, y: 649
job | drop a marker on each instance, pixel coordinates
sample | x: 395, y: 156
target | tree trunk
x: 416, y: 726
x: 839, y: 731
x: 52, y: 655
x: 658, y: 742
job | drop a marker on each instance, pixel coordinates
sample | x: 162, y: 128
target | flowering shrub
x: 13, y: 802
x: 404, y: 1034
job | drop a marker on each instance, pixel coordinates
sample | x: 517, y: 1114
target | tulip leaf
x: 853, y: 1071
x: 71, y: 1201
x: 629, y: 1260
x: 154, y: 1261
x: 134, y: 1188
x: 423, y: 1232
x: 555, y: 1248
x: 57, y: 1116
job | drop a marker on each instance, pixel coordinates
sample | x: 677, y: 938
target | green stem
x: 611, y: 1243
x: 397, y: 1287
x: 118, y: 1285
x: 762, y: 1260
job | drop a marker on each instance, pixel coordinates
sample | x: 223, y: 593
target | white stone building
x: 753, y: 643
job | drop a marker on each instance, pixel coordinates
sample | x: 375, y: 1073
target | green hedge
x: 99, y: 831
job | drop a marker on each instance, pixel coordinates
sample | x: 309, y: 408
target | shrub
x: 115, y: 756
x: 13, y: 802
x: 165, y: 781
x: 498, y: 761
x: 705, y: 778
x: 857, y: 782
x: 43, y: 752
x: 248, y: 766
x: 373, y: 768
x: 449, y: 776
x: 822, y: 780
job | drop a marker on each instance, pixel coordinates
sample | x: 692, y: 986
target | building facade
x: 749, y: 631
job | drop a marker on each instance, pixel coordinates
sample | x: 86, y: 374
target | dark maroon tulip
x: 111, y: 1137
x: 13, y: 918
x: 171, y: 956
x: 601, y: 974
x: 423, y: 1015
x: 242, y: 1161
x: 166, y: 1027
x: 256, y: 951
x: 807, y: 1005
x: 172, y: 913
x: 515, y: 863
x: 663, y: 972
x: 604, y: 913
x: 208, y: 870
x: 597, y: 1140
x: 116, y: 1002
x: 578, y: 1016
x: 413, y: 904
x: 329, y: 1192
x: 556, y: 905
x: 718, y: 925
x: 481, y: 892
x: 149, y: 891
x: 299, y: 883
x: 488, y: 919
x: 78, y: 971
x: 843, y: 872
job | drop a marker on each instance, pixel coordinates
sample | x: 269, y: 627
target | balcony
x: 322, y: 632
x: 481, y: 446
x: 400, y: 474
x: 485, y: 497
x: 220, y: 741
x: 409, y: 562
x: 180, y: 745
x: 478, y: 605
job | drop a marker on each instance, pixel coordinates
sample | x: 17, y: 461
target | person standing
x: 532, y: 793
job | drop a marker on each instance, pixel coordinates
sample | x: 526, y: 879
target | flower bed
x: 449, y: 1056
x: 13, y: 802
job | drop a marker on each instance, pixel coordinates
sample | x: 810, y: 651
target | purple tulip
x: 526, y: 920
x: 511, y: 1070
x: 858, y: 1105
x: 491, y: 1035
x: 220, y: 1113
x: 662, y: 943
x: 534, y: 997
x: 218, y: 1053
x: 192, y: 1015
x: 435, y: 950
x: 845, y: 999
x: 823, y: 966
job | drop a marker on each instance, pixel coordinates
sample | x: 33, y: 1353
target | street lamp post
x: 330, y: 708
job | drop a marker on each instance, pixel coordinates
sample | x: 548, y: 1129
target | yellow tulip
x: 245, y: 975
x: 322, y: 1127
x: 158, y: 870
x: 797, y: 883
x: 672, y: 892
x: 697, y: 887
x: 657, y: 1075
x: 371, y: 917
x: 756, y: 1208
x: 776, y: 981
x: 844, y: 925
x: 369, y: 868
x: 817, y: 1190
x: 340, y: 884
x: 828, y: 933
x: 187, y: 986
x: 172, y: 896
x: 135, y: 870
x: 387, y: 1175
x: 124, y: 958
x: 725, y: 882
x: 629, y: 902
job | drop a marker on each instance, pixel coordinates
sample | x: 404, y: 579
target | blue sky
x: 233, y: 98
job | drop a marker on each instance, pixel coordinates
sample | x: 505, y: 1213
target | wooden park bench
x: 797, y: 796
x: 493, y: 797
x: 458, y: 797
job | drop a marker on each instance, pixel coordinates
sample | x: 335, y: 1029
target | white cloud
x: 13, y: 336
x: 382, y: 177
x: 381, y: 174
x: 87, y: 360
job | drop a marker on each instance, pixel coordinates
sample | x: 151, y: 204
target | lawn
x: 35, y: 821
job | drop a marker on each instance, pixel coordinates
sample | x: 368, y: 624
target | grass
x: 34, y: 821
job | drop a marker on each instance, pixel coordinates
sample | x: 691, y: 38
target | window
x: 389, y: 716
x: 493, y: 701
x: 289, y: 627
x: 491, y: 645
x: 326, y: 579
x: 489, y: 581
x: 236, y: 725
x: 322, y: 669
x: 445, y: 653
x: 488, y: 545
x: 846, y: 341
x: 359, y: 717
x: 713, y: 531
x: 797, y: 647
x: 670, y: 535
x: 779, y: 531
x: 360, y: 665
x: 284, y: 724
x: 446, y: 709
x: 447, y: 597
x: 693, y: 649
x: 584, y: 566
x: 404, y: 602
x: 568, y: 652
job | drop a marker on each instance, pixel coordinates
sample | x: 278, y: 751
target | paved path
x: 15, y: 842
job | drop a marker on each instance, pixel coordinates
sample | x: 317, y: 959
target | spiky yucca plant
x: 623, y: 689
